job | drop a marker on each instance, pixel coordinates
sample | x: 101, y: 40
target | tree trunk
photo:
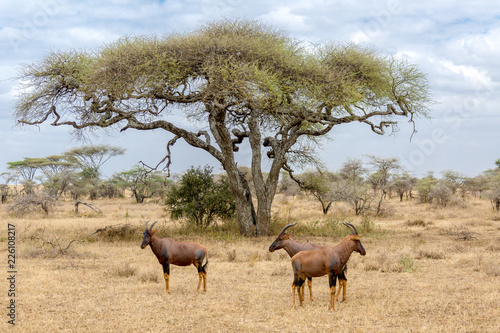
x: 379, y: 206
x: 326, y: 208
x: 245, y: 210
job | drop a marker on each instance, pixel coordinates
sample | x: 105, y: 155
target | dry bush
x: 461, y: 233
x: 32, y: 204
x: 426, y: 254
x: 40, y: 243
x: 118, y: 232
x: 231, y: 255
x: 416, y: 223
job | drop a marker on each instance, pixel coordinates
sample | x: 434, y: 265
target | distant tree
x: 110, y: 188
x: 384, y: 168
x: 477, y: 185
x: 440, y: 193
x: 57, y: 172
x: 90, y: 159
x: 454, y: 181
x: 402, y: 184
x: 287, y: 186
x: 238, y: 79
x: 497, y: 162
x: 27, y: 169
x: 6, y: 177
x: 493, y: 191
x: 142, y: 182
x: 199, y: 198
x: 352, y: 186
x: 319, y: 184
x: 424, y: 187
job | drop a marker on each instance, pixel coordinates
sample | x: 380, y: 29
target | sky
x: 457, y: 43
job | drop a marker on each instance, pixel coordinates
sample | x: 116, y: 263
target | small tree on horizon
x: 319, y: 184
x: 90, y: 158
x: 384, y: 168
x: 142, y: 182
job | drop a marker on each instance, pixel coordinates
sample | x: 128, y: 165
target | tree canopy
x: 238, y: 80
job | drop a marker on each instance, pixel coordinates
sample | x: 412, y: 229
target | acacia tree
x: 27, y: 169
x: 57, y: 172
x: 383, y: 167
x: 352, y: 186
x: 90, y: 159
x: 402, y: 184
x: 318, y: 184
x: 142, y: 182
x: 240, y: 80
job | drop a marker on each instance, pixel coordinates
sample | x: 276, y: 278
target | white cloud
x: 283, y: 17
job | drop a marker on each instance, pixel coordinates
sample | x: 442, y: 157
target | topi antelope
x: 168, y: 251
x: 292, y: 247
x: 329, y: 260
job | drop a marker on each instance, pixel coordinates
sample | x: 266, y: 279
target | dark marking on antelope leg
x: 332, y: 280
x: 166, y: 275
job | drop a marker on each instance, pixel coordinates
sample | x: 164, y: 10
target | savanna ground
x: 426, y: 269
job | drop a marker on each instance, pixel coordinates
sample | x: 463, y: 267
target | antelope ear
x: 356, y: 237
x: 152, y: 232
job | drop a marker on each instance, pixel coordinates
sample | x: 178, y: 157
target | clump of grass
x: 366, y: 225
x: 124, y: 271
x: 149, y: 277
x: 254, y: 257
x: 231, y: 255
x: 416, y: 223
x: 407, y: 264
x: 430, y: 255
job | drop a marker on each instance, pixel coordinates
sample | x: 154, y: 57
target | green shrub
x: 200, y: 199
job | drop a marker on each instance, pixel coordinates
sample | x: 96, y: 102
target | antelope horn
x: 353, y: 229
x: 152, y: 225
x: 147, y: 224
x: 287, y: 226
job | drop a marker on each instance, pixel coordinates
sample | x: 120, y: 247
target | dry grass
x: 418, y: 274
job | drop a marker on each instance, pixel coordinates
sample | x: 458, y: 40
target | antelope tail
x: 204, y: 267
